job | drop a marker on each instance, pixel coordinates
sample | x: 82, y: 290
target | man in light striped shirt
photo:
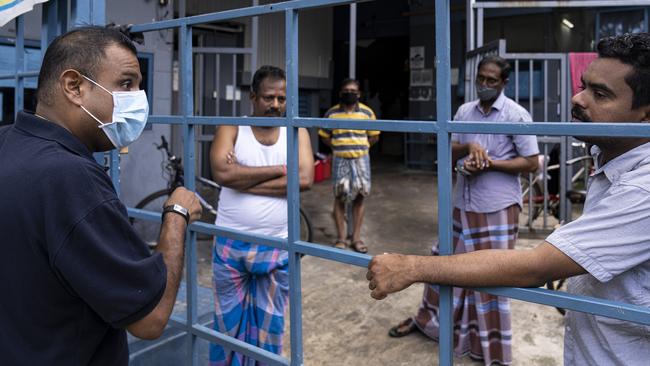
x: 351, y: 164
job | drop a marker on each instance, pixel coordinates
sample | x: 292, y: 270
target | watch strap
x: 179, y: 210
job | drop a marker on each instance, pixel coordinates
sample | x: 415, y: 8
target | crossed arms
x: 262, y: 180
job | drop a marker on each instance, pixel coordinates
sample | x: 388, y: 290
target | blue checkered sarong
x: 251, y: 289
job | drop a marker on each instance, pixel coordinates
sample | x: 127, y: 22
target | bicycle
x: 206, y: 191
x: 536, y: 187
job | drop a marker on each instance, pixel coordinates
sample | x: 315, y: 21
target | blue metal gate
x: 442, y: 127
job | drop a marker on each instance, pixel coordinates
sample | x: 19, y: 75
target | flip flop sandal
x: 409, y: 323
x: 340, y: 244
x: 359, y: 247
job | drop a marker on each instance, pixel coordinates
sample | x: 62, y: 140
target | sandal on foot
x: 359, y: 246
x: 340, y: 244
x: 408, y: 326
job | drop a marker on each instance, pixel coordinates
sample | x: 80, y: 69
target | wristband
x: 179, y: 210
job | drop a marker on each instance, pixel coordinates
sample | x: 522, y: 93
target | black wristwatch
x: 179, y: 210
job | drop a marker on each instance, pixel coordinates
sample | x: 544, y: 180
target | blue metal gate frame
x: 442, y: 127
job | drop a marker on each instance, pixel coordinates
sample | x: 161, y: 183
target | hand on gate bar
x: 188, y: 200
x: 389, y: 273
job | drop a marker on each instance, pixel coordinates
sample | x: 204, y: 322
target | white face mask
x: 130, y: 112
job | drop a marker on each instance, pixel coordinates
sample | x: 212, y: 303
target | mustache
x: 578, y: 113
x: 273, y: 112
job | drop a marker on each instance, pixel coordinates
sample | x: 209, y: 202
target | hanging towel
x: 578, y: 62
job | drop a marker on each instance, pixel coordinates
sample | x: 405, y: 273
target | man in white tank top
x: 251, y: 281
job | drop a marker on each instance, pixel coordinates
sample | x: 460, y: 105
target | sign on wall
x: 9, y: 9
x: 416, y: 57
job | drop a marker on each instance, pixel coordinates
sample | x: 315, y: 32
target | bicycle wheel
x: 305, y: 227
x: 149, y: 231
x: 538, y: 200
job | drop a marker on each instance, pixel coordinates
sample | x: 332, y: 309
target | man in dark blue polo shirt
x: 74, y: 273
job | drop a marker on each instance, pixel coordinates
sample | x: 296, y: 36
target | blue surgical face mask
x: 130, y: 112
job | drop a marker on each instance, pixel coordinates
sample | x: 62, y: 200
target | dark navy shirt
x: 73, y: 272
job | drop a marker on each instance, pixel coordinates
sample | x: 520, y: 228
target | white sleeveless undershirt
x: 254, y: 213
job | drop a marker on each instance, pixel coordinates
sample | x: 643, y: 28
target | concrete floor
x: 342, y: 325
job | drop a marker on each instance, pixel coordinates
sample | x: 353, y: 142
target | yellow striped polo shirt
x: 349, y: 144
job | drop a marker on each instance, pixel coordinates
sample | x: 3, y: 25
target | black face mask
x: 349, y: 98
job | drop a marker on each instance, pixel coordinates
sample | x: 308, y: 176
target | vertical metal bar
x: 199, y: 58
x: 530, y: 200
x: 48, y: 25
x: 545, y: 185
x: 469, y: 25
x: 517, y: 80
x: 544, y: 171
x: 531, y: 106
x: 565, y: 97
x: 545, y: 90
x: 479, y: 27
x: 114, y: 157
x: 98, y: 12
x: 443, y: 109
x: 293, y: 194
x: 216, y: 82
x: 234, y: 84
x: 254, y: 41
x: 187, y: 107
x: 352, y: 67
x: 19, y: 91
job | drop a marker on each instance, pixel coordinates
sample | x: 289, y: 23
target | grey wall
x: 140, y: 168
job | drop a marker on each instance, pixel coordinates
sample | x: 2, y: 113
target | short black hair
x: 267, y: 72
x: 347, y: 81
x: 82, y: 49
x: 632, y: 49
x: 500, y: 62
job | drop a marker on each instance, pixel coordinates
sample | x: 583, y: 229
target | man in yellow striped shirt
x: 351, y: 164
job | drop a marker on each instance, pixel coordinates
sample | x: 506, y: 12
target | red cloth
x: 578, y: 62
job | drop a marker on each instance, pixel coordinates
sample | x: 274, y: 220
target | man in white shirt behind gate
x: 251, y: 281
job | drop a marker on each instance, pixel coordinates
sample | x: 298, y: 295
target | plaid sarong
x: 351, y: 177
x: 481, y: 321
x: 251, y: 287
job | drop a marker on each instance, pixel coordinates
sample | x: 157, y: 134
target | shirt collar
x: 498, y: 103
x: 47, y: 130
x: 341, y: 109
x: 623, y: 163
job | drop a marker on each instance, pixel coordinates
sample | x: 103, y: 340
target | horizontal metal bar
x: 534, y: 56
x: 238, y: 13
x: 239, y: 121
x: 333, y: 254
x: 364, y: 124
x: 585, y: 304
x: 166, y: 120
x: 559, y: 4
x: 223, y: 50
x: 549, y: 139
x: 228, y: 342
x: 553, y: 128
x: 205, y: 228
x: 210, y: 229
x: 238, y: 346
x: 22, y: 74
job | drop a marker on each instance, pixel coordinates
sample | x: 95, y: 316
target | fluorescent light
x: 567, y: 23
